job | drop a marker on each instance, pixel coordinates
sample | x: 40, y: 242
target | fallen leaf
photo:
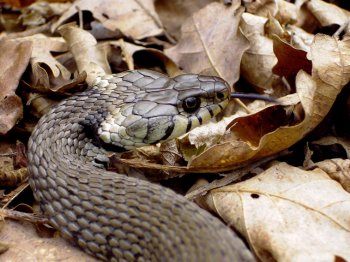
x: 330, y: 140
x: 290, y: 59
x: 40, y: 12
x: 9, y: 176
x: 300, y: 38
x: 89, y: 56
x: 211, y: 44
x: 25, y: 245
x: 135, y: 19
x: 18, y: 3
x: 327, y: 13
x: 259, y: 59
x: 338, y: 169
x: 283, y: 11
x: 129, y: 51
x: 330, y: 59
x: 288, y: 214
x: 47, y: 72
x: 173, y: 13
x: 13, y: 62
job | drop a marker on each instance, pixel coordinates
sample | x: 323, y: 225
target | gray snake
x: 112, y: 216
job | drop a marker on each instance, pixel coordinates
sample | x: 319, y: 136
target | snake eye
x: 191, y: 104
x: 220, y: 95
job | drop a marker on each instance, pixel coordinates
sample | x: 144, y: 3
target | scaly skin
x: 112, y: 216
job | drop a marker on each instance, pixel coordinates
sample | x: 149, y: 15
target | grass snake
x: 112, y: 216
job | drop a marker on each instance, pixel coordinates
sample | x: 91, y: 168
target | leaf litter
x: 293, y: 209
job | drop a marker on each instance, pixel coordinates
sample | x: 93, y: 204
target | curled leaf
x: 13, y: 62
x: 330, y: 72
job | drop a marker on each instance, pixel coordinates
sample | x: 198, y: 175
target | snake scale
x: 112, y: 216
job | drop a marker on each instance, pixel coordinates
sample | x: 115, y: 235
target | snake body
x: 112, y: 216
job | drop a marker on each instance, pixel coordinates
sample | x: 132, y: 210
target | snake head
x: 161, y: 108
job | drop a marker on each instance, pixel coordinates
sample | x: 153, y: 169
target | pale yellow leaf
x: 89, y: 56
x: 288, y: 214
x: 338, y: 169
x: 327, y: 13
x: 259, y: 59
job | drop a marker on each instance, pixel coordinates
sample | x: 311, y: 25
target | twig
x: 21, y: 216
x: 232, y: 177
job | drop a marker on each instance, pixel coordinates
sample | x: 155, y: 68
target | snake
x: 115, y: 217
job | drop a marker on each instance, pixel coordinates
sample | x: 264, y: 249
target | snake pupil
x: 191, y: 104
x: 220, y: 95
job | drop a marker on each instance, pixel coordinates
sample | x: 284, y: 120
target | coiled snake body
x: 112, y: 216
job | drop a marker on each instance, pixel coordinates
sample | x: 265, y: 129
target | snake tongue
x: 253, y: 96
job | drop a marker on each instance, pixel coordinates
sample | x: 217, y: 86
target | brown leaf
x: 317, y: 93
x: 40, y: 12
x: 286, y: 212
x: 9, y: 176
x: 18, y: 3
x: 253, y: 127
x: 47, y: 73
x: 290, y: 59
x: 173, y: 13
x: 130, y: 50
x: 13, y: 62
x: 135, y: 19
x: 211, y: 44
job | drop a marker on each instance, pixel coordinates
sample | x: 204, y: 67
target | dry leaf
x: 288, y: 214
x: 211, y: 44
x: 18, y: 3
x: 13, y: 62
x: 338, y: 169
x: 173, y: 13
x: 284, y: 11
x: 9, y: 176
x: 40, y: 12
x: 89, y: 56
x: 129, y: 50
x: 328, y: 14
x: 25, y: 245
x: 40, y: 104
x: 135, y: 19
x: 259, y: 59
x: 47, y: 72
x: 330, y: 59
x: 290, y: 59
x: 300, y: 38
x: 330, y: 140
